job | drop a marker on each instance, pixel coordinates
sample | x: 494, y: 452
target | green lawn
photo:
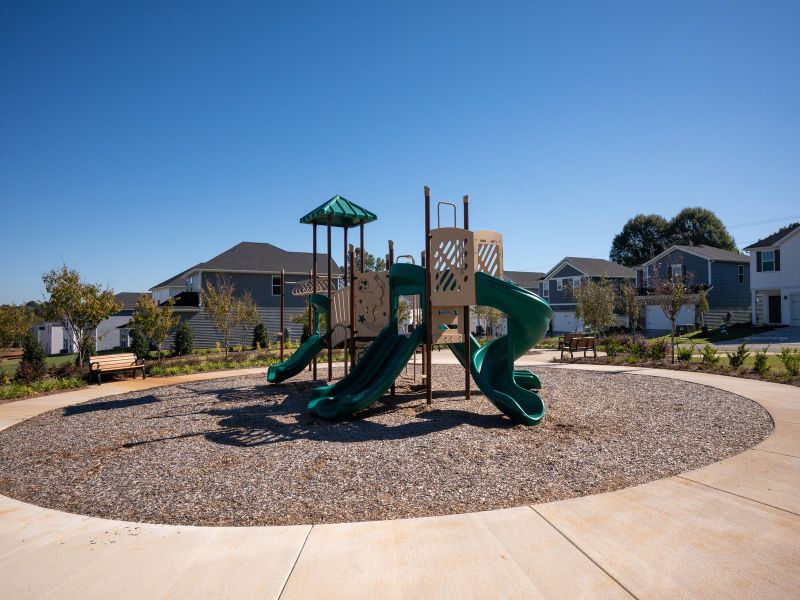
x: 10, y: 366
x: 715, y: 336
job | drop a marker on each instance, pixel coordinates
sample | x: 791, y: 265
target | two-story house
x: 252, y: 267
x: 723, y: 274
x: 775, y: 277
x: 558, y: 283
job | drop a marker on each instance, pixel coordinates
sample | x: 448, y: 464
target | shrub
x: 86, y: 348
x: 710, y: 355
x: 140, y: 345
x: 736, y: 359
x: 65, y: 371
x: 685, y: 353
x: 218, y: 347
x: 260, y: 336
x: 32, y: 366
x: 790, y: 357
x: 613, y: 345
x: 760, y: 365
x: 184, y: 340
x: 658, y: 349
x: 638, y: 347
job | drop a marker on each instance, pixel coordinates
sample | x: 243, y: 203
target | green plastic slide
x: 301, y: 358
x: 492, y: 365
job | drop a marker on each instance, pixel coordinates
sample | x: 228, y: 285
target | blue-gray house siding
x: 696, y: 267
x: 727, y: 291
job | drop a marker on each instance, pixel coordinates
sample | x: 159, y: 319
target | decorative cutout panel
x: 448, y: 328
x: 489, y: 252
x: 340, y: 316
x: 371, y: 303
x: 452, y: 270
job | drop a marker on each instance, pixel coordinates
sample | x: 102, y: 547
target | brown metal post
x: 428, y: 307
x: 353, y: 303
x: 465, y: 318
x: 345, y: 344
x: 328, y: 320
x: 389, y: 267
x: 310, y: 323
x: 361, y: 227
x: 283, y: 325
x: 314, y: 288
x: 424, y: 361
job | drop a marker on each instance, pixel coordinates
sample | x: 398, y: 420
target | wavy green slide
x: 492, y: 365
x: 301, y: 357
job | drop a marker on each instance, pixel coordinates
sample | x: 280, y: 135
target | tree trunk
x: 672, y: 345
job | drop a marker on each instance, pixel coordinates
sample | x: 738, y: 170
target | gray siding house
x: 724, y: 275
x: 252, y: 267
x: 557, y: 284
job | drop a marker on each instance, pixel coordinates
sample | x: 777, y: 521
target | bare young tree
x: 247, y: 315
x: 630, y: 303
x: 219, y: 302
x: 595, y: 304
x: 670, y: 295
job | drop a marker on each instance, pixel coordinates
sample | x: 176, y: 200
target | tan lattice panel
x: 489, y: 252
x: 448, y: 328
x: 340, y: 316
x: 371, y: 303
x: 452, y: 270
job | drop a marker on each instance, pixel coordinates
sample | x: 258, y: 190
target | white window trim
x: 740, y: 274
x: 576, y: 282
x: 672, y: 269
x: 559, y: 284
x: 764, y: 261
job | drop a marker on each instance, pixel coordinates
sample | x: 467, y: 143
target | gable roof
x: 594, y: 267
x: 128, y: 299
x: 255, y: 257
x: 525, y: 279
x: 703, y: 251
x: 776, y: 237
x: 342, y: 213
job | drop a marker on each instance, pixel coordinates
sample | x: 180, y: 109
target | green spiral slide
x: 313, y: 345
x: 491, y: 365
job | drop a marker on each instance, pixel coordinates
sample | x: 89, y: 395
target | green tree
x: 630, y: 303
x: 695, y: 226
x: 153, y: 322
x: 246, y: 314
x: 641, y: 238
x: 371, y: 263
x: 701, y: 306
x: 184, y: 340
x: 302, y: 319
x: 16, y: 321
x: 32, y: 366
x: 595, y: 304
x: 77, y: 305
x: 260, y: 336
x: 140, y: 344
x: 219, y: 302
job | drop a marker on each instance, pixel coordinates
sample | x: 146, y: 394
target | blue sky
x: 137, y: 139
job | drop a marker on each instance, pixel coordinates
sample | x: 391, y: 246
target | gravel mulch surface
x: 238, y: 451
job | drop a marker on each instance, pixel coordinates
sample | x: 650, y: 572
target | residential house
x: 113, y: 333
x: 525, y: 279
x: 775, y: 277
x: 252, y: 267
x: 723, y: 274
x: 557, y: 285
x: 53, y: 339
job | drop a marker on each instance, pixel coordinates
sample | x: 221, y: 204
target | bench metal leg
x: 99, y: 380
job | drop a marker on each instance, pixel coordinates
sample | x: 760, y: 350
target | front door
x: 774, y: 309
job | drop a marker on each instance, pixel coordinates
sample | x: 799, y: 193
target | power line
x: 766, y: 221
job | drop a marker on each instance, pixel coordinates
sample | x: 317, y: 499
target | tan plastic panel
x: 340, y: 316
x: 371, y: 303
x: 452, y: 270
x: 447, y: 316
x: 489, y: 252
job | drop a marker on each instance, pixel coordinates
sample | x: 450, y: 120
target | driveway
x: 775, y: 339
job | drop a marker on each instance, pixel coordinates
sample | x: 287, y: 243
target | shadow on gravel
x: 271, y: 422
x: 80, y: 409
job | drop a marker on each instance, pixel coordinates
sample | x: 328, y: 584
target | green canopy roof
x: 343, y: 213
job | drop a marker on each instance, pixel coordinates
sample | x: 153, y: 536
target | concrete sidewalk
x: 728, y: 530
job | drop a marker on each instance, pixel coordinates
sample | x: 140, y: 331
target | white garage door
x: 565, y: 322
x: 794, y: 309
x: 656, y: 320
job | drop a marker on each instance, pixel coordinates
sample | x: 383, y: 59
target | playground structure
x: 465, y: 269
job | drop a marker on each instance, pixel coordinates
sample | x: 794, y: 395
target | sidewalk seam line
x: 579, y: 549
x: 294, y: 564
x: 739, y: 495
x: 773, y: 452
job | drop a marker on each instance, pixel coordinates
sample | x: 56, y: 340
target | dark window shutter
x: 758, y: 261
x: 777, y: 259
x: 683, y: 270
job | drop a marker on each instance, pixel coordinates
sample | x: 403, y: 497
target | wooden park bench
x: 564, y: 341
x: 9, y: 353
x: 576, y: 343
x: 108, y: 363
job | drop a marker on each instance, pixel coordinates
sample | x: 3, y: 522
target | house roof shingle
x: 256, y: 257
x: 713, y: 253
x: 128, y: 299
x: 525, y: 279
x: 596, y: 267
x: 771, y: 240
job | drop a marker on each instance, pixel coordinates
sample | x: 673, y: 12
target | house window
x: 546, y: 289
x: 768, y: 260
x: 676, y: 270
x: 741, y: 273
x: 559, y: 284
x: 576, y: 282
x: 276, y: 285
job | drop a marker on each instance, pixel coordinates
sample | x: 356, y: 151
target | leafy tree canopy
x: 695, y: 226
x: 641, y: 238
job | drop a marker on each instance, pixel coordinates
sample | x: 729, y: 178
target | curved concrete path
x: 728, y: 530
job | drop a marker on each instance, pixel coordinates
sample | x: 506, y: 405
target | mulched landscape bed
x: 238, y: 451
